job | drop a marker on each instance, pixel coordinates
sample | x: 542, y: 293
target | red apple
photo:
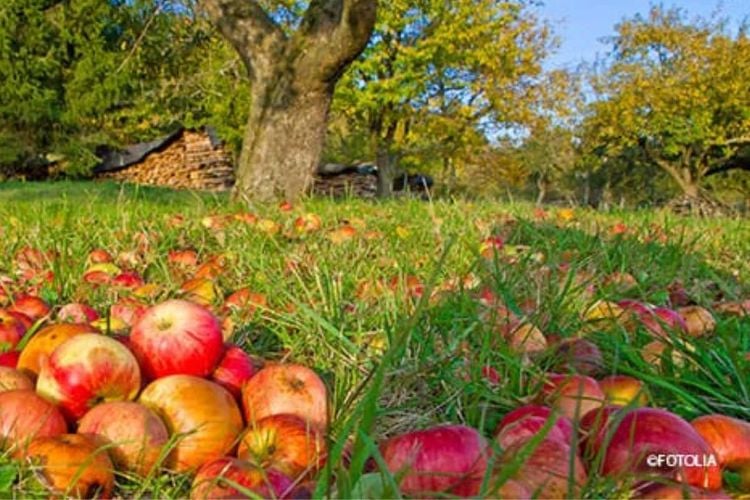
x: 286, y: 443
x: 33, y: 307
x: 99, y: 256
x: 573, y: 395
x: 88, y: 369
x: 443, y: 459
x: 135, y: 435
x: 245, y: 302
x: 524, y: 429
x: 286, y: 388
x: 183, y: 258
x: 655, y: 491
x: 12, y: 379
x: 128, y: 279
x: 562, y: 423
x: 77, y: 313
x: 9, y: 359
x: 730, y: 439
x: 11, y: 331
x: 127, y: 310
x: 631, y: 444
x: 235, y: 368
x: 218, y: 480
x: 44, y: 342
x: 307, y: 223
x: 203, y: 413
x: 579, y: 355
x: 72, y: 465
x: 671, y: 319
x: 177, y: 337
x: 624, y: 390
x: 25, y: 415
x: 549, y: 469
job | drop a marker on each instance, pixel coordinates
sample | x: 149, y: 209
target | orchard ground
x: 383, y: 299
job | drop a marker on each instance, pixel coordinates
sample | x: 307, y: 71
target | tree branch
x: 255, y: 36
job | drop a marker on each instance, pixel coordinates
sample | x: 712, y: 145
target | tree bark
x: 293, y: 78
x: 541, y: 185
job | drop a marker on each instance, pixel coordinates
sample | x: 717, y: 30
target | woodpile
x: 342, y: 185
x: 191, y: 160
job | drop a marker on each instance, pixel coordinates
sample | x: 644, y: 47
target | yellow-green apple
x: 11, y: 331
x: 24, y: 415
x: 699, y: 320
x: 203, y: 413
x: 44, y: 342
x: 624, y: 390
x: 177, y: 337
x: 30, y: 305
x: 574, y: 395
x: 730, y: 439
x: 235, y: 368
x: 551, y: 469
x: 444, y: 459
x: 645, y: 442
x: 221, y: 478
x: 72, y: 465
x: 286, y: 443
x: 135, y: 435
x: 86, y: 370
x: 562, y: 424
x: 286, y: 388
x: 11, y: 379
x: 77, y: 313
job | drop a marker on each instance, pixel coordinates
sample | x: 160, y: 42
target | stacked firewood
x: 349, y: 184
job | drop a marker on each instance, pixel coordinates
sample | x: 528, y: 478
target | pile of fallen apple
x: 150, y: 389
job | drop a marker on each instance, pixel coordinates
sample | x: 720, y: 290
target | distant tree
x: 294, y: 56
x: 677, y: 93
x: 440, y: 77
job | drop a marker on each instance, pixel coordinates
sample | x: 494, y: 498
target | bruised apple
x: 203, y: 413
x: 88, y: 369
x: 573, y: 395
x: 24, y: 415
x: 46, y: 340
x: 235, y: 368
x: 72, y: 465
x: 286, y: 443
x: 11, y: 379
x: 445, y: 459
x: 135, y: 435
x: 632, y: 442
x: 177, y: 337
x: 286, y: 388
x: 219, y: 480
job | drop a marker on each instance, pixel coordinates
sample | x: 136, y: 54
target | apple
x: 286, y: 388
x: 245, y: 302
x: 579, y: 355
x: 77, y: 313
x: 574, y: 395
x: 219, y: 478
x: 549, y: 469
x: 33, y: 307
x: 203, y: 413
x: 307, y: 223
x: 524, y: 429
x: 177, y: 337
x: 9, y: 359
x: 235, y: 368
x: 72, y: 465
x: 11, y: 331
x: 127, y: 310
x: 656, y: 491
x: 44, y: 342
x: 624, y: 390
x: 626, y: 440
x: 671, y: 319
x: 25, y: 415
x: 698, y: 320
x: 603, y: 312
x: 286, y: 443
x: 99, y: 256
x: 443, y: 459
x: 562, y: 423
x: 128, y: 279
x: 183, y: 258
x: 135, y: 435
x: 88, y: 369
x: 11, y: 379
x: 527, y: 339
x: 730, y: 439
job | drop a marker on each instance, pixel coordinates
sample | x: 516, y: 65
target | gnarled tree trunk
x: 293, y: 78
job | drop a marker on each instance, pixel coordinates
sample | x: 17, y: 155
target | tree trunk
x: 541, y: 185
x: 386, y: 172
x: 293, y: 76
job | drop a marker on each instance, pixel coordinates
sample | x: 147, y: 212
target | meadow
x: 388, y: 302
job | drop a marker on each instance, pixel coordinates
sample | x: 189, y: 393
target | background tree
x: 675, y: 91
x: 293, y: 69
x: 438, y: 78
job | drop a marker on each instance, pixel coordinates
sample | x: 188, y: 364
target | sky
x: 580, y: 24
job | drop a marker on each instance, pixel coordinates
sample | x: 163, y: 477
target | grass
x: 395, y: 362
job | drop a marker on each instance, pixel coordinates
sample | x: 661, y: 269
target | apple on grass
x: 177, y: 337
x: 11, y: 331
x: 44, y: 342
x: 86, y: 370
x: 624, y: 390
x: 561, y: 423
x: 235, y: 368
x: 24, y: 415
x: 135, y: 435
x: 730, y: 439
x: 30, y: 305
x: 230, y: 478
x: 574, y: 395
